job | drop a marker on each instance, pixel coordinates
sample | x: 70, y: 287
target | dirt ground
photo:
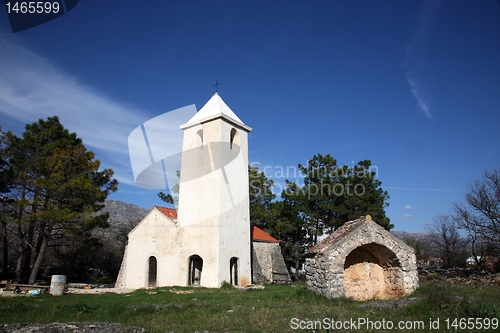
x: 10, y: 293
x: 99, y: 290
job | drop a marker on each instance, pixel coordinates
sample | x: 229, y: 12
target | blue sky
x: 413, y: 86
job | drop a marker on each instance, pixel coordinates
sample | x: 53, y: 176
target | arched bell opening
x: 199, y: 139
x: 234, y: 141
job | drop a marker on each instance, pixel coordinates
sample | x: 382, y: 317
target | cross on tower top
x: 216, y: 85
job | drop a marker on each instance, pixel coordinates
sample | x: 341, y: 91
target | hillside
x: 124, y: 214
x: 105, y: 260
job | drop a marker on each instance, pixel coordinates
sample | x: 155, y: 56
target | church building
x: 208, y: 240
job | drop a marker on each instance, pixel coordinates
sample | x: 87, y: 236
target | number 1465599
x: 471, y: 323
x: 32, y: 7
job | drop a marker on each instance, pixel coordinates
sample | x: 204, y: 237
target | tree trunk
x: 21, y: 245
x: 28, y: 245
x: 30, y: 250
x: 5, y: 240
x: 39, y: 259
x: 20, y: 259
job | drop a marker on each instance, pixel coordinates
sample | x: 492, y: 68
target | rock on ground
x: 70, y: 328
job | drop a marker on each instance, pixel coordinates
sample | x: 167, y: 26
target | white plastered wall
x: 213, y: 200
x: 213, y: 216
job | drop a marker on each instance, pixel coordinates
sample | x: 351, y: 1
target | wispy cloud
x: 31, y: 88
x: 415, y: 52
x: 422, y: 104
x: 410, y: 207
x: 402, y: 217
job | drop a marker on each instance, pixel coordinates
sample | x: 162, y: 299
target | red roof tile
x: 169, y: 212
x: 261, y: 236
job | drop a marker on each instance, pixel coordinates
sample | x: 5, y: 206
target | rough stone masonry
x: 361, y: 260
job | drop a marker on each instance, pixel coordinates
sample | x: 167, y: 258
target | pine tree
x: 333, y: 195
x: 59, y: 191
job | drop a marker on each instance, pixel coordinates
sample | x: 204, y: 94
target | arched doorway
x: 372, y: 271
x: 152, y: 272
x: 195, y: 269
x: 233, y: 271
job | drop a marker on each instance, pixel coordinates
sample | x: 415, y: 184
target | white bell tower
x: 213, y: 196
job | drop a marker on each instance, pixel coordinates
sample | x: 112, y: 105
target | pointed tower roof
x: 215, y: 108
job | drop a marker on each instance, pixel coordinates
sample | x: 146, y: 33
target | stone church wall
x: 121, y: 278
x: 268, y: 264
x: 258, y: 265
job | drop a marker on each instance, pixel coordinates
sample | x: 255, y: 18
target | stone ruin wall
x: 321, y: 280
x: 459, y: 275
x: 365, y: 264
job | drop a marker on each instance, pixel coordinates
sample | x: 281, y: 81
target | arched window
x: 199, y: 139
x: 233, y: 269
x: 194, y: 272
x: 233, y: 138
x: 152, y: 272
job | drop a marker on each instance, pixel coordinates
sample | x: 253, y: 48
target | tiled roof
x: 169, y: 212
x: 261, y: 236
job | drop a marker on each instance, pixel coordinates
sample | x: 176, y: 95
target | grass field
x: 270, y: 310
